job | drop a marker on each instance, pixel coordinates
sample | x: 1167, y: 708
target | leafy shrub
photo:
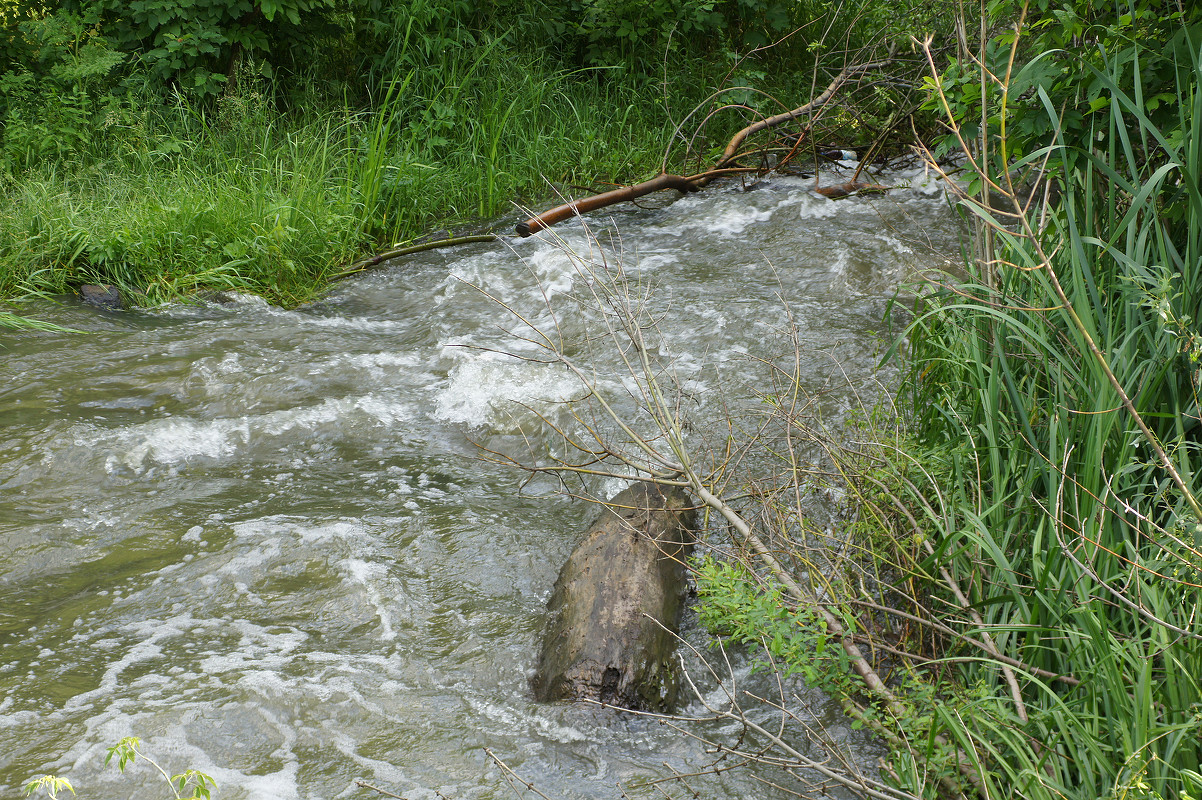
x: 195, y: 45
x: 53, y: 102
x: 1062, y: 61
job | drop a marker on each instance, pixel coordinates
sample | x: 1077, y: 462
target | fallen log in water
x: 616, y: 605
x: 850, y: 188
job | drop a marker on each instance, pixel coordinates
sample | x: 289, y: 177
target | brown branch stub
x: 620, y: 195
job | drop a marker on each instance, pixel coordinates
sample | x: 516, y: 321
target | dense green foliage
x: 1072, y: 511
x: 169, y: 146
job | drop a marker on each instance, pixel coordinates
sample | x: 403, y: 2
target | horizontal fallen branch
x: 621, y: 195
x: 722, y: 167
x: 378, y: 258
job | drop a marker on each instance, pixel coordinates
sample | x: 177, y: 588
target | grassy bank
x: 133, y: 153
x: 171, y: 199
x: 1059, y: 390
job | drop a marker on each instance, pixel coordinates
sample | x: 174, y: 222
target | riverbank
x: 271, y: 182
x: 174, y: 200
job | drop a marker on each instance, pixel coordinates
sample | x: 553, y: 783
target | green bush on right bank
x: 1076, y: 531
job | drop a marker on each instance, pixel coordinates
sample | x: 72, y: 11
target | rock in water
x: 616, y: 605
x: 106, y: 297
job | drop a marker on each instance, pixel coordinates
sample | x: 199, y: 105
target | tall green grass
x: 173, y: 199
x: 1079, y: 547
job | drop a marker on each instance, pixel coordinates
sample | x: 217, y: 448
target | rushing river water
x: 264, y: 542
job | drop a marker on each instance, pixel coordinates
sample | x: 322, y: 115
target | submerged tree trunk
x: 616, y: 605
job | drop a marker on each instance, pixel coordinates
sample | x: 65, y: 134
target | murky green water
x: 264, y: 542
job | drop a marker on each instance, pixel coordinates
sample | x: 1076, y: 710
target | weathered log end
x: 616, y: 605
x: 850, y: 188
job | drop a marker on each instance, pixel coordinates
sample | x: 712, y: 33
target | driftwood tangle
x: 616, y: 605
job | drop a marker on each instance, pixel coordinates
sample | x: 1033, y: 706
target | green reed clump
x: 1060, y: 386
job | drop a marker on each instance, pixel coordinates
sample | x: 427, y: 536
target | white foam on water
x: 612, y: 487
x: 723, y: 221
x: 510, y: 718
x: 381, y: 771
x: 370, y: 576
x: 893, y: 244
x: 378, y: 365
x: 550, y: 269
x: 283, y: 784
x: 715, y: 316
x: 811, y: 206
x: 261, y: 652
x: 149, y: 635
x: 244, y: 299
x: 838, y: 268
x: 179, y: 440
x: 339, y: 529
x: 554, y: 269
x: 485, y: 389
x: 359, y: 324
x: 652, y: 262
x: 168, y: 441
x: 922, y: 180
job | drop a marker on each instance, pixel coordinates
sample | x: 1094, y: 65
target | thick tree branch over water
x: 727, y: 164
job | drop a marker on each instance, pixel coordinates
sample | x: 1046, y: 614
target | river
x: 264, y: 540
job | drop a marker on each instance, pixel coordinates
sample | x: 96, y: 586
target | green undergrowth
x: 1071, y: 518
x: 172, y: 199
x: 1042, y: 534
x: 171, y: 147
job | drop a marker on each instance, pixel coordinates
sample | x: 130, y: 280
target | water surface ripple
x: 263, y: 540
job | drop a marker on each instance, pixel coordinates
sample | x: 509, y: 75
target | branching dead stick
x: 367, y: 785
x: 859, y: 663
x: 511, y: 776
x: 1014, y: 662
x: 788, y: 116
x: 793, y: 757
x: 1016, y: 694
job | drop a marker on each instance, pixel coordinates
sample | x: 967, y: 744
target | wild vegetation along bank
x: 1035, y: 581
x: 1015, y: 604
x: 174, y: 147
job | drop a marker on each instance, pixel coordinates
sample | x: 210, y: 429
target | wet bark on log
x: 620, y: 195
x: 618, y: 591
